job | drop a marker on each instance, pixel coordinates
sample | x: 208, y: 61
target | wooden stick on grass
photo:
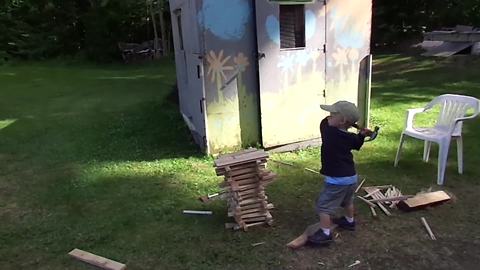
x: 283, y: 162
x: 392, y: 199
x: 371, y: 193
x: 360, y: 186
x: 384, y: 209
x: 366, y: 201
x: 195, y: 212
x: 424, y: 221
x: 313, y: 171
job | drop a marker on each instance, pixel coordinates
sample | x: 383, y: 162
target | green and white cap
x: 344, y: 108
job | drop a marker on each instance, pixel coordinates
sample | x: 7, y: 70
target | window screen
x: 292, y: 26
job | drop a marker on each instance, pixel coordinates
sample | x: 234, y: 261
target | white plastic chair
x: 453, y: 112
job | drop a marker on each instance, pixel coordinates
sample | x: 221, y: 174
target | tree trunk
x: 163, y: 33
x: 155, y: 33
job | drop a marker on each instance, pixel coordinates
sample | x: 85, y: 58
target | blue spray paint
x: 272, y: 26
x: 226, y: 19
x: 286, y: 63
x: 310, y: 24
x: 302, y: 57
x: 345, y: 36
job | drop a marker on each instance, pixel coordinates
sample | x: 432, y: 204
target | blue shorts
x: 333, y: 197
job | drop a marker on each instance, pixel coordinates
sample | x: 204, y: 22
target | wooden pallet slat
x: 96, y: 260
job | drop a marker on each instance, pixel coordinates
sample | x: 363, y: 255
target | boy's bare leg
x: 325, y: 221
x: 349, y: 211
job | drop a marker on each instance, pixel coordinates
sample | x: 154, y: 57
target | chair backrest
x: 452, y: 108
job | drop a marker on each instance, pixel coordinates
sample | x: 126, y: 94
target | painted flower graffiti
x: 350, y: 22
x: 217, y: 67
x: 241, y: 62
x: 340, y: 57
x: 353, y: 55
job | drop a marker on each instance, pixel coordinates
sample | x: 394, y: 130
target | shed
x: 255, y: 72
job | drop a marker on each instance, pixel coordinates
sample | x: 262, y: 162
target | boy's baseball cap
x: 345, y: 108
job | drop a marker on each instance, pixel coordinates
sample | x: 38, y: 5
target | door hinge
x: 205, y: 142
x: 201, y: 105
x: 324, y: 48
x: 324, y: 93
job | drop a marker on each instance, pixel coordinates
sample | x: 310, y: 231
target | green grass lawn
x: 98, y: 158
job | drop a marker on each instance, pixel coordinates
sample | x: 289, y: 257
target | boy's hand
x: 366, y: 132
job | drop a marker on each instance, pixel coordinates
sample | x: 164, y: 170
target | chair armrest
x: 461, y: 119
x: 410, y: 115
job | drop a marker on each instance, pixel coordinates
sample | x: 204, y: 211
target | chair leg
x: 397, y: 157
x: 442, y: 160
x: 460, y: 154
x: 426, y: 150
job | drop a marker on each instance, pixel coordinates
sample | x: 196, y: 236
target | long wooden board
x: 425, y: 199
x: 241, y: 158
x: 251, y: 164
x: 96, y: 260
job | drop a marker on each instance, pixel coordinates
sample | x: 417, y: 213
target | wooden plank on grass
x: 96, y: 260
x: 425, y: 199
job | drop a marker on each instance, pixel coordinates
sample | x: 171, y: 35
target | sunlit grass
x: 99, y: 158
x: 5, y: 123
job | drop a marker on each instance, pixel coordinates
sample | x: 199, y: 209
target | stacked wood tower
x: 245, y: 176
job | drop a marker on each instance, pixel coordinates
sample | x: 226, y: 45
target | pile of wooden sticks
x: 245, y: 178
x: 381, y: 196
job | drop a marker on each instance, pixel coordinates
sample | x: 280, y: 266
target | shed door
x: 290, y: 40
x: 189, y: 64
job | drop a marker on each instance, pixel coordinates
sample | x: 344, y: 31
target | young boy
x: 338, y: 168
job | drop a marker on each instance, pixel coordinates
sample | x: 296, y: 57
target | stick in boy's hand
x: 367, y: 132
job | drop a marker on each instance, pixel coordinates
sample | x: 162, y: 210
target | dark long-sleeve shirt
x: 337, y: 158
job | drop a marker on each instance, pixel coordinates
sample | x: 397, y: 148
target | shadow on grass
x: 120, y: 217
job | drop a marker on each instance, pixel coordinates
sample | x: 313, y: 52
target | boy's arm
x: 358, y: 140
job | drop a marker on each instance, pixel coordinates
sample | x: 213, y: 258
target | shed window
x: 292, y: 26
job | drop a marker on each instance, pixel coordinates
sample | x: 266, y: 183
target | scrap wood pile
x: 381, y: 196
x: 245, y: 178
x: 389, y: 195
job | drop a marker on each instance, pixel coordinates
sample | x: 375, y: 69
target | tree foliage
x: 39, y: 29
x: 397, y: 21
